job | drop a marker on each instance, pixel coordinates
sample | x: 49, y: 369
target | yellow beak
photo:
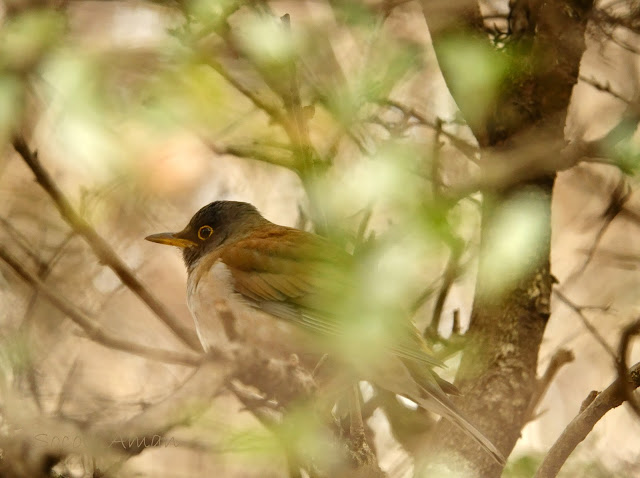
x: 171, y: 239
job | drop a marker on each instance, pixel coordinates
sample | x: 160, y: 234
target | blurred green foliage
x: 477, y: 72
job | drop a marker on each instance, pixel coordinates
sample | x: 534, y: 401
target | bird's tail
x: 436, y: 401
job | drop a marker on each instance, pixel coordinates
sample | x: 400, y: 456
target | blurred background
x: 142, y: 112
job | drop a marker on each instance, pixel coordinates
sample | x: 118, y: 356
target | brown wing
x: 287, y: 265
x: 298, y: 276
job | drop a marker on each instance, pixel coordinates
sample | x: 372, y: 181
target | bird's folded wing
x: 303, y: 278
x: 282, y: 264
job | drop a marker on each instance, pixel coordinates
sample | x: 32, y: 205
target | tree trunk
x: 497, y: 375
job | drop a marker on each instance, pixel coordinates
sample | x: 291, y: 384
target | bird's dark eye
x: 205, y: 232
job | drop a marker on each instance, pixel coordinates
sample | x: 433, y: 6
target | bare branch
x: 361, y: 453
x: 306, y: 155
x: 285, y: 381
x: 469, y: 150
x: 22, y: 242
x: 619, y: 198
x: 581, y: 425
x: 273, y: 110
x: 559, y: 359
x: 588, y: 325
x: 604, y: 87
x: 66, y: 387
x: 436, y: 161
x: 94, y: 331
x: 424, y: 296
x: 268, y: 154
x: 263, y: 409
x: 537, y: 156
x: 628, y: 18
x: 101, y: 249
x: 450, y: 275
x: 185, y: 404
x: 44, y: 270
x: 25, y: 457
x: 589, y: 400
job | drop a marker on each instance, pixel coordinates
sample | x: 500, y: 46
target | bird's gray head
x: 213, y: 225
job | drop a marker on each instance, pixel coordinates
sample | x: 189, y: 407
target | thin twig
x: 581, y: 425
x: 285, y: 381
x: 43, y: 272
x: 265, y: 153
x: 44, y: 269
x: 436, y: 160
x: 293, y: 105
x: 21, y: 241
x: 424, y: 296
x: 304, y: 150
x: 450, y: 275
x: 263, y: 409
x: 468, y: 149
x: 588, y: 325
x: 94, y: 331
x: 272, y: 110
x: 66, y: 387
x: 355, y: 412
x: 101, y: 249
x: 619, y: 198
x: 604, y: 87
x: 187, y: 402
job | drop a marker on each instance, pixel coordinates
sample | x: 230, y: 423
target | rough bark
x: 497, y: 374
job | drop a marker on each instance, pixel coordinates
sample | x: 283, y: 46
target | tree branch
x: 186, y: 403
x: 271, y: 109
x: 469, y: 150
x: 94, y: 331
x: 560, y: 358
x: 42, y: 441
x: 267, y: 154
x: 581, y: 425
x: 588, y: 325
x: 101, y: 249
x: 451, y: 272
x: 285, y: 381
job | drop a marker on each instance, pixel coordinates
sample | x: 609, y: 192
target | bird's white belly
x: 219, y: 313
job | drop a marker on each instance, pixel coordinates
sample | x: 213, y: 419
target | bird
x: 301, y: 288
